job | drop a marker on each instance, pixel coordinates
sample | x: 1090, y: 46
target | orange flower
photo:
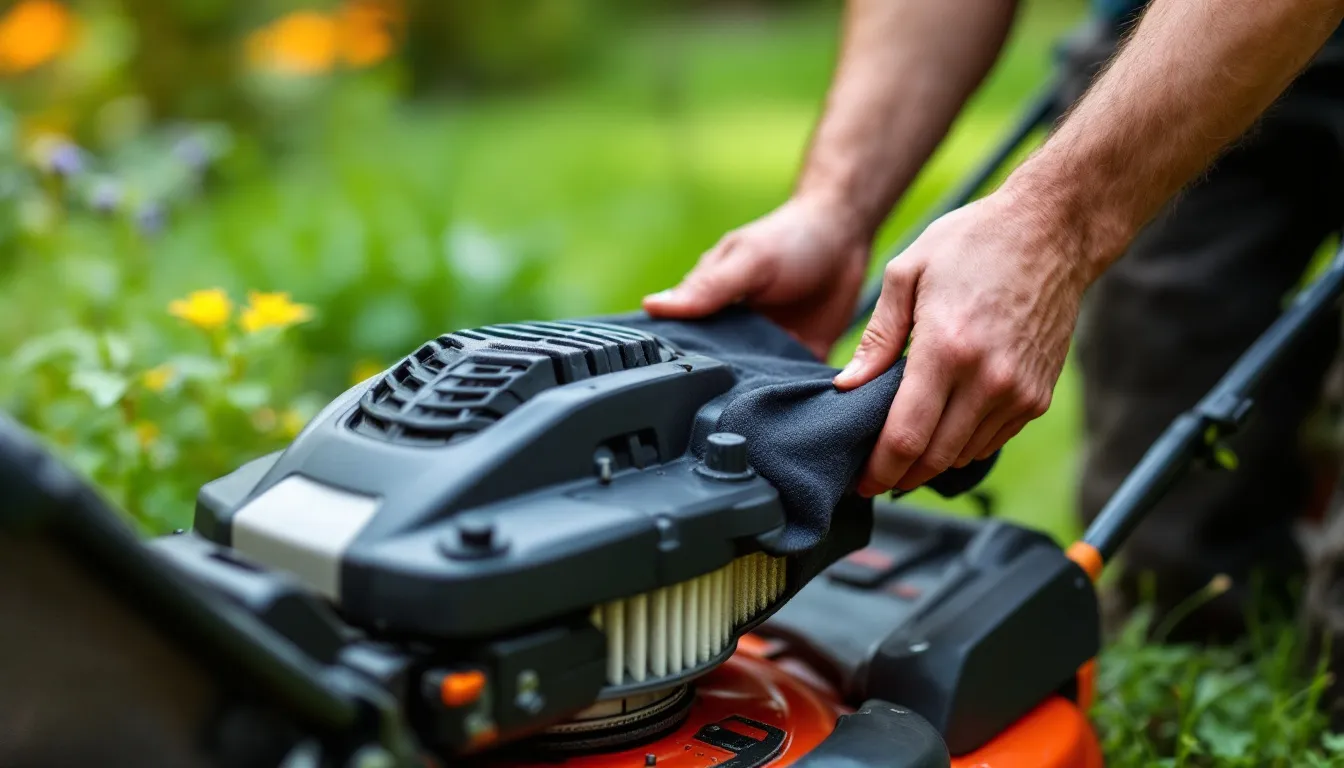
x: 32, y: 33
x: 359, y: 34
x: 367, y: 30
x: 303, y: 43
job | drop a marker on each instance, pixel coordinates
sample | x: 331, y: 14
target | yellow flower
x: 158, y: 378
x: 273, y: 310
x: 365, y: 370
x: 208, y: 309
x: 146, y: 432
x: 33, y: 32
x: 292, y: 423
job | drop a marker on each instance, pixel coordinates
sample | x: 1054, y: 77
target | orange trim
x: 459, y: 689
x: 1054, y: 735
x: 1087, y: 684
x: 1087, y: 557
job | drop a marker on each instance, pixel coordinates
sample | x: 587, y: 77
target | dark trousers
x: 1196, y: 288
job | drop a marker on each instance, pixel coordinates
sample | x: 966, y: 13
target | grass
x: 399, y: 221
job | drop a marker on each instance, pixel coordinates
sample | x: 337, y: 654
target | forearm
x: 1194, y: 77
x: 906, y: 69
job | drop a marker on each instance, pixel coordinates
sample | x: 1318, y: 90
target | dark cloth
x: 803, y: 435
x: 1196, y: 288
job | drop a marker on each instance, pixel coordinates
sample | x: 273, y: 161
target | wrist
x: 844, y: 194
x: 849, y: 228
x: 1068, y: 212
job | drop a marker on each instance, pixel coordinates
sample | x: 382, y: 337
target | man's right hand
x: 802, y: 265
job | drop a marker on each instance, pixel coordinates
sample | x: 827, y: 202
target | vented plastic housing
x: 460, y: 383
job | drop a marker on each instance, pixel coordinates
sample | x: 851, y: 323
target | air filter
x: 676, y: 629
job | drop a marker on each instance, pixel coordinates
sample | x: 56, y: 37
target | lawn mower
x: 561, y: 543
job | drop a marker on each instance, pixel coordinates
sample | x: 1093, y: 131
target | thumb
x: 711, y: 286
x: 886, y: 333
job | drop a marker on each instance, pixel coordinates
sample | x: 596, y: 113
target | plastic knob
x: 473, y: 536
x: 726, y: 452
x: 476, y: 532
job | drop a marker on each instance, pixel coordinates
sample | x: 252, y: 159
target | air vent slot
x: 461, y: 383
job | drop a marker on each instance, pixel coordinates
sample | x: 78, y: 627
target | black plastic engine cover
x: 498, y: 478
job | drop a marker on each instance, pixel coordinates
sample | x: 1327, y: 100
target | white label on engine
x: 303, y: 527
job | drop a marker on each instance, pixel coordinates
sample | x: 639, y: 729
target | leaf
x: 118, y: 350
x: 1229, y: 744
x: 1333, y: 743
x: 248, y: 396
x: 198, y: 368
x: 71, y: 342
x: 104, y: 388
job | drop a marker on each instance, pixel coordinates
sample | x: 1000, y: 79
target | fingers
x: 988, y: 429
x: 910, y: 425
x: 884, y: 337
x: 724, y: 276
x: 964, y: 413
x: 995, y: 380
x: 956, y: 404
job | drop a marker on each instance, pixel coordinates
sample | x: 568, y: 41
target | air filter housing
x: 516, y: 474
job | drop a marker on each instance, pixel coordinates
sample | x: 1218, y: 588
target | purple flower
x: 106, y: 196
x: 65, y: 160
x: 192, y: 152
x: 150, y: 218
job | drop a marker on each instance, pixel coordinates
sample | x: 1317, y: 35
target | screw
x: 529, y: 698
x: 650, y: 759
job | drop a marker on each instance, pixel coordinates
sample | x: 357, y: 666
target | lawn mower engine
x: 534, y: 538
x: 526, y: 545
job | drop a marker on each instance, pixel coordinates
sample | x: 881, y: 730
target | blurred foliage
x: 549, y: 158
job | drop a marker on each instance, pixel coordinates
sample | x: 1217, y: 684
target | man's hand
x: 801, y: 265
x: 988, y: 297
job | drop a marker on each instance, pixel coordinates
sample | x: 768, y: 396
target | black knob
x: 726, y: 452
x: 473, y: 536
x: 476, y: 532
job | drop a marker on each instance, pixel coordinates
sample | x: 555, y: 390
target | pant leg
x: 1199, y: 284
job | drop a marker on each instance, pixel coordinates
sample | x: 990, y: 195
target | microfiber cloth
x: 803, y: 435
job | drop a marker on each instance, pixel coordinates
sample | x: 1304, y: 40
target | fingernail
x: 851, y: 368
x: 662, y: 295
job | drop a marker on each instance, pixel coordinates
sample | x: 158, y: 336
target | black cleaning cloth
x: 803, y: 435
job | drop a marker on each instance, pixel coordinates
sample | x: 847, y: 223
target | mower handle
x: 1199, y: 433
